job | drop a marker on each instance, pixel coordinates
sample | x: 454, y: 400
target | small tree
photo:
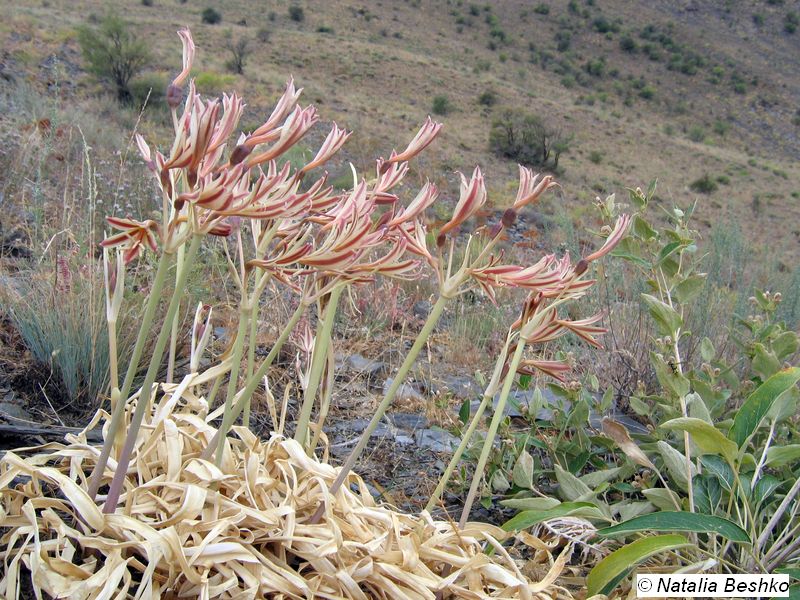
x: 114, y: 54
x: 296, y: 13
x: 211, y: 16
x: 240, y: 50
x: 527, y: 139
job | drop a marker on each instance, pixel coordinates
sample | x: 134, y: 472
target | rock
x: 633, y: 426
x: 14, y: 410
x: 436, y: 440
x: 461, y: 387
x: 403, y: 440
x: 408, y: 421
x: 357, y: 427
x: 404, y: 392
x: 422, y: 309
x: 369, y: 368
x: 221, y: 333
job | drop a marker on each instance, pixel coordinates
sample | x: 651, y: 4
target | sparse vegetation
x: 487, y: 98
x: 239, y: 50
x: 441, y: 105
x: 704, y: 185
x: 527, y: 139
x: 296, y: 13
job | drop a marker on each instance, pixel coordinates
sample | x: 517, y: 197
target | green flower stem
x: 251, y: 348
x: 491, y: 389
x: 118, y: 408
x: 245, y: 313
x: 173, y: 339
x: 113, y: 357
x: 419, y: 343
x: 318, y: 360
x: 149, y: 378
x: 492, y: 433
x: 244, y: 397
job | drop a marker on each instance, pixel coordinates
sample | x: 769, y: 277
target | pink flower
x: 614, y: 238
x: 473, y: 196
x: 134, y: 236
x: 426, y: 135
x: 335, y: 140
x: 426, y: 196
x: 531, y: 187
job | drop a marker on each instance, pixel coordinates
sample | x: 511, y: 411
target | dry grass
x: 189, y: 529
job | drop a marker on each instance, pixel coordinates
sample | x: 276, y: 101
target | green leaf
x: 606, y: 574
x: 531, y: 503
x: 785, y: 344
x: 758, y: 404
x: 780, y: 456
x: 720, y: 469
x: 463, y: 412
x: 707, y: 350
x: 669, y: 378
x: 707, y: 437
x: 628, y: 249
x: 570, y: 487
x: 765, y: 363
x: 662, y: 498
x: 631, y: 510
x: 707, y: 493
x: 676, y: 464
x: 765, y: 487
x: 529, y: 518
x: 499, y: 482
x: 689, y: 288
x: 697, y: 407
x: 785, y: 406
x: 667, y: 320
x: 679, y: 521
x: 522, y: 473
x: 595, y: 478
x: 642, y: 229
x: 667, y: 250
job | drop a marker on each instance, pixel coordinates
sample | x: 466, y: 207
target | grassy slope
x: 380, y: 68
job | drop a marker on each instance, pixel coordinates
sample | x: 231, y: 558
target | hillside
x: 672, y: 90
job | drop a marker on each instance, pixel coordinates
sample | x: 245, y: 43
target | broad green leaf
x: 689, y: 288
x: 522, y: 473
x: 707, y: 437
x: 463, y: 412
x: 628, y: 249
x: 662, y: 498
x: 669, y: 377
x: 792, y: 572
x: 530, y: 503
x: 707, y: 493
x: 765, y: 487
x: 765, y: 363
x: 570, y: 487
x: 676, y: 464
x: 757, y: 405
x: 606, y: 574
x: 667, y: 251
x: 697, y: 408
x: 631, y: 510
x: 679, y: 521
x: 529, y: 518
x: 667, y: 320
x: 720, y: 469
x: 707, y: 350
x: 595, y: 478
x: 785, y: 406
x: 642, y: 229
x: 785, y: 344
x: 499, y: 482
x: 780, y: 456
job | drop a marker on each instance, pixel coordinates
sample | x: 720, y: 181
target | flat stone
x: 422, y: 309
x: 403, y: 440
x: 14, y: 410
x: 408, y: 421
x: 404, y: 392
x: 358, y: 426
x: 461, y: 387
x: 366, y: 366
x: 436, y: 440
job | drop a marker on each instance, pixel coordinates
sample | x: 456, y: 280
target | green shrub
x: 327, y: 29
x: 790, y: 22
x: 487, y: 98
x: 697, y: 134
x: 721, y: 127
x: 758, y: 19
x: 648, y: 92
x: 441, y: 105
x: 263, y: 34
x: 211, y: 83
x: 296, y: 13
x: 542, y: 9
x: 211, y: 16
x: 628, y: 44
x: 723, y: 179
x: 704, y: 185
x: 114, y: 54
x: 563, y: 40
x: 596, y: 157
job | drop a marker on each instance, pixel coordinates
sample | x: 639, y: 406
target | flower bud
x: 174, y: 95
x: 239, y: 154
x: 509, y: 217
x: 581, y: 267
